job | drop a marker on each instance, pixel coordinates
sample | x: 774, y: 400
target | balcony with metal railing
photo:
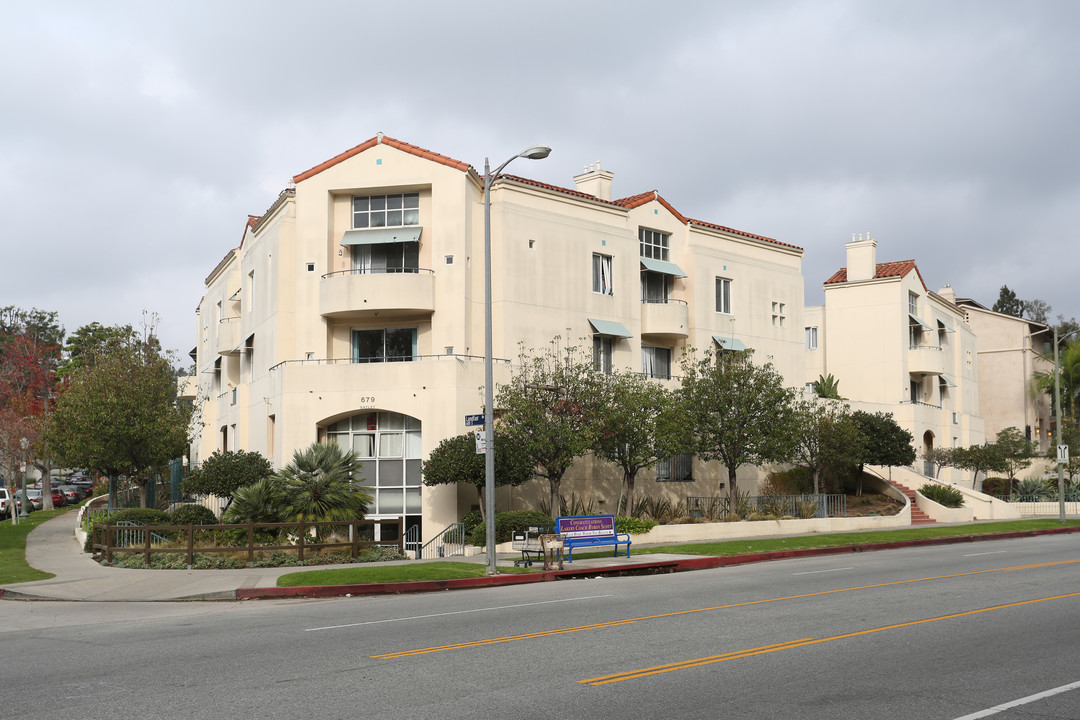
x: 926, y: 359
x: 228, y: 335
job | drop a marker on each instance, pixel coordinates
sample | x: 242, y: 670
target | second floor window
x: 656, y: 362
x: 811, y: 338
x: 723, y: 296
x: 374, y: 211
x: 384, y: 345
x: 603, y: 346
x: 913, y: 303
x: 601, y: 274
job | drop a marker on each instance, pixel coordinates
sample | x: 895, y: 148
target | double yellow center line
x: 698, y: 662
x: 742, y: 653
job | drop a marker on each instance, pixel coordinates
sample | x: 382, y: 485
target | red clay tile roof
x: 382, y: 140
x: 883, y: 270
x: 714, y: 226
x: 554, y: 188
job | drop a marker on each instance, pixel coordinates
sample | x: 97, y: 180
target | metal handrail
x: 820, y: 505
x: 450, y: 541
x: 364, y: 361
x: 662, y: 301
x: 380, y: 271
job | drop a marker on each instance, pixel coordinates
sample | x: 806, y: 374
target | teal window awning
x: 610, y: 327
x: 944, y: 326
x: 728, y: 343
x: 917, y: 321
x: 946, y: 381
x: 660, y: 266
x: 380, y: 236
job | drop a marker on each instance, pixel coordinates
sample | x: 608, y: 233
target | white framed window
x: 384, y: 345
x: 654, y: 287
x: 653, y: 243
x: 389, y: 446
x: 403, y: 257
x: 603, y: 346
x: 656, y: 362
x: 811, y: 338
x: 913, y: 303
x: 723, y: 295
x: 397, y: 210
x: 601, y: 274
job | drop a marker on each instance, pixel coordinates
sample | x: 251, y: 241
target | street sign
x: 472, y: 420
x: 481, y: 442
x: 1063, y: 454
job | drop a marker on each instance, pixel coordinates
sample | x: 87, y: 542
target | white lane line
x: 818, y: 572
x: 1022, y: 701
x: 995, y: 552
x: 457, y: 612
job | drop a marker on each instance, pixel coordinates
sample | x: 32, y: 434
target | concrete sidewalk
x: 52, y: 547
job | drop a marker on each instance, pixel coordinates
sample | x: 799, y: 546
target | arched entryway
x: 389, y: 447
x: 929, y: 469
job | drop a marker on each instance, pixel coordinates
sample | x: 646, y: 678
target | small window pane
x: 393, y: 202
x: 378, y: 202
x: 360, y: 204
x: 366, y: 474
x: 412, y: 473
x: 410, y: 217
x: 393, y: 218
x: 391, y: 473
x: 391, y: 501
x: 412, y: 445
x: 412, y: 500
x: 390, y: 445
x: 364, y: 445
x: 412, y: 200
x: 391, y: 421
x: 360, y: 221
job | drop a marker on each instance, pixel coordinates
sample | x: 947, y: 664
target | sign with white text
x: 473, y: 420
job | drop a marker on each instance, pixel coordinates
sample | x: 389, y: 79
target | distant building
x: 895, y: 346
x: 1011, y: 351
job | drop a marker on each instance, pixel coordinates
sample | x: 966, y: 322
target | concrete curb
x: 642, y: 568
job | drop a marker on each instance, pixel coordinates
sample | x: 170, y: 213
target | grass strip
x: 407, y: 572
x: 13, y: 565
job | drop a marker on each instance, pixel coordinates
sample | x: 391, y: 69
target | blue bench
x: 590, y: 531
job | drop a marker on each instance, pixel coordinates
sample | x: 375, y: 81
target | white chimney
x: 595, y: 182
x: 948, y: 293
x: 861, y: 258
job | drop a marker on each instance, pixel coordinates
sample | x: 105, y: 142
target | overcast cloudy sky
x: 136, y: 137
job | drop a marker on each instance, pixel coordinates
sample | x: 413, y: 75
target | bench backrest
x: 585, y: 526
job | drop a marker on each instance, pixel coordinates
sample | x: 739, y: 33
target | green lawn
x: 452, y: 570
x: 13, y: 567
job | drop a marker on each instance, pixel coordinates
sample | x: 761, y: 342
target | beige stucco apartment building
x: 1011, y: 351
x: 353, y: 311
x: 895, y: 346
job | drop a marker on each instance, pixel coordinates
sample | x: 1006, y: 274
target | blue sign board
x: 471, y: 420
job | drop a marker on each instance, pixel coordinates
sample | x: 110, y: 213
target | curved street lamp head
x: 536, y: 152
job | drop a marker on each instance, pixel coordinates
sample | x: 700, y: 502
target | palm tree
x: 827, y: 387
x: 318, y: 485
x: 1070, y: 379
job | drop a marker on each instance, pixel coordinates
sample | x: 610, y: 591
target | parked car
x: 58, y: 499
x: 34, y: 495
x: 5, y: 503
x: 71, y: 493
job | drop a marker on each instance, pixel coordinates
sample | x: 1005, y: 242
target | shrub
x: 633, y: 525
x: 1035, y: 489
x: 507, y: 523
x: 193, y: 515
x: 796, y: 481
x: 995, y: 486
x: 943, y: 495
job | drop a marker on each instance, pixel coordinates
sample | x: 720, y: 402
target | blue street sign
x: 471, y: 420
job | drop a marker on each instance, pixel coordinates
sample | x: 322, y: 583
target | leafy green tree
x: 1037, y: 310
x: 1008, y: 303
x: 456, y: 460
x: 544, y: 410
x: 93, y: 340
x: 826, y: 437
x: 638, y: 425
x: 942, y: 457
x: 121, y: 416
x: 1017, y: 452
x: 887, y: 443
x: 979, y: 458
x: 223, y: 473
x: 827, y: 387
x: 318, y: 485
x: 1069, y: 357
x: 740, y: 413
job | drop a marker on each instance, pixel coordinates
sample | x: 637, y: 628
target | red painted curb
x: 701, y: 563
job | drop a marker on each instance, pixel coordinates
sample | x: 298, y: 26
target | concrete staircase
x: 918, y: 517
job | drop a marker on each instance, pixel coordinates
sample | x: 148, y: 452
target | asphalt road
x: 940, y: 632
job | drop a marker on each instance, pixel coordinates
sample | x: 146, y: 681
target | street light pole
x: 25, y: 512
x: 1057, y: 425
x: 536, y: 152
